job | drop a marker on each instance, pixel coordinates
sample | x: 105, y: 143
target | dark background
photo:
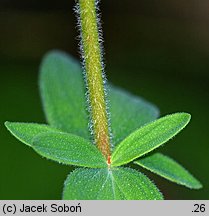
x: 156, y: 49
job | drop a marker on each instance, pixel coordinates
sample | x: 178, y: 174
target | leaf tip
x: 186, y: 116
x: 183, y: 115
x: 197, y: 185
x: 8, y: 124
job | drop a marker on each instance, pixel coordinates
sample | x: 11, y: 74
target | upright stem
x: 92, y: 56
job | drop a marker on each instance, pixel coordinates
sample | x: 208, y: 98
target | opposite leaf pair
x: 67, y: 139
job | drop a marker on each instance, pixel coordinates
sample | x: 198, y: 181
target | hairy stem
x: 94, y: 75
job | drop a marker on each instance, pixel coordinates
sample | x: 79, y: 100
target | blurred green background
x: 156, y: 49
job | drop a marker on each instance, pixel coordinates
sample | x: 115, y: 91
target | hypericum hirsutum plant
x: 99, y: 127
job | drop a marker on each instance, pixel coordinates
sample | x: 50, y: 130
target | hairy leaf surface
x: 149, y: 137
x: 169, y: 169
x: 69, y: 149
x: 25, y: 132
x: 63, y: 96
x: 109, y: 184
x: 128, y: 113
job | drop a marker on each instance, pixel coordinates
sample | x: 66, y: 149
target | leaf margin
x: 15, y: 133
x: 196, y: 183
x: 82, y: 142
x: 187, y: 117
x: 128, y: 171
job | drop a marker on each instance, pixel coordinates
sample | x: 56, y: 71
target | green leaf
x: 109, y: 184
x: 25, y: 132
x: 69, y: 149
x: 63, y: 96
x: 128, y: 113
x: 149, y: 138
x: 169, y: 169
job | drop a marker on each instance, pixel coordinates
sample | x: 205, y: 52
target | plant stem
x: 94, y: 75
